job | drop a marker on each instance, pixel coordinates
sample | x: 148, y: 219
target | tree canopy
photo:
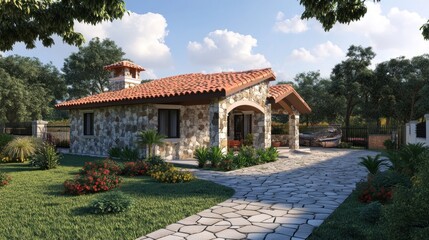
x: 83, y: 70
x: 329, y: 12
x: 31, y: 20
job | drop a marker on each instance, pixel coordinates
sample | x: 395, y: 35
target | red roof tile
x: 124, y: 64
x: 225, y: 83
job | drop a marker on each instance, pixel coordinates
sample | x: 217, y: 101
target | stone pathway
x: 286, y: 199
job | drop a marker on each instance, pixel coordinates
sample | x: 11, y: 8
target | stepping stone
x: 208, y: 221
x: 286, y: 231
x: 247, y: 212
x: 290, y: 220
x: 231, y: 215
x: 215, y: 229
x: 274, y: 213
x: 192, y: 229
x: 304, y: 231
x: 223, y: 210
x: 160, y: 233
x: 172, y: 238
x: 259, y: 218
x: 230, y: 234
x: 201, y: 236
x: 174, y: 227
x: 276, y: 236
x: 315, y: 223
x: 256, y: 236
x: 238, y: 221
x: 253, y: 229
x: 190, y: 220
x: 208, y: 214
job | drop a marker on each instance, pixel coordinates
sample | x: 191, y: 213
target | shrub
x: 161, y: 167
x: 100, y: 180
x: 227, y: 162
x: 155, y: 160
x: 344, y: 145
x: 368, y: 192
x: 249, y: 156
x: 372, y: 164
x: 20, y: 149
x: 138, y: 168
x: 171, y: 175
x: 273, y: 154
x: 215, y: 156
x: 115, y: 152
x: 389, y: 144
x: 248, y: 140
x: 4, y: 140
x: 408, y: 215
x: 202, y: 155
x: 371, y: 213
x: 129, y: 154
x: 113, y: 202
x: 4, y: 179
x: 407, y: 159
x: 111, y: 166
x: 46, y: 157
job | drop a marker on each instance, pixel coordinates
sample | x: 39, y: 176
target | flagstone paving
x: 286, y: 199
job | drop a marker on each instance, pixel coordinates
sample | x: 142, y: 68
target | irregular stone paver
x: 285, y: 199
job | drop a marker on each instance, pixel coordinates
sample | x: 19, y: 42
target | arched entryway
x: 246, y: 124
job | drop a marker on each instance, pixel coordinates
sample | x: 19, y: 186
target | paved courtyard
x: 286, y: 199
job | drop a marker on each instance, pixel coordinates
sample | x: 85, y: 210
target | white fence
x: 412, y: 136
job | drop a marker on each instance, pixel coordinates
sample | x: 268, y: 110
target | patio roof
x: 284, y: 96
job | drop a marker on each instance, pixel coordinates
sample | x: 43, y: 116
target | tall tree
x: 84, y: 71
x: 329, y: 12
x: 31, y: 20
x: 348, y: 77
x: 20, y: 101
x: 34, y: 72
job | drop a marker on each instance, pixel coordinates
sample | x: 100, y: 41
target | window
x: 88, y: 124
x: 168, y: 122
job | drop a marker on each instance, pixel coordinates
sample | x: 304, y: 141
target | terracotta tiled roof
x: 225, y: 84
x: 124, y: 64
x: 286, y: 91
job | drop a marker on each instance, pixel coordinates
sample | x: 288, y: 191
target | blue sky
x: 173, y: 37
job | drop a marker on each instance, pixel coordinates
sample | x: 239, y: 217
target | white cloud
x: 223, y: 49
x: 292, y: 25
x: 391, y: 35
x: 141, y: 36
x: 319, y: 52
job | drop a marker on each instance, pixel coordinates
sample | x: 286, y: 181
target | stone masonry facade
x: 200, y: 125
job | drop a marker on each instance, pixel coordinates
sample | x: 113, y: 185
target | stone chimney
x: 123, y: 74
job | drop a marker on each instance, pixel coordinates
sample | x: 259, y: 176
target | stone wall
x: 119, y: 127
x: 219, y: 109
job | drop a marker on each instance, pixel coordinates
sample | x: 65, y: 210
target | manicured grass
x: 33, y: 206
x: 345, y: 223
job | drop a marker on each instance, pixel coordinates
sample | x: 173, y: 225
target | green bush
x: 371, y: 212
x: 4, y: 140
x: 389, y: 144
x: 112, y: 202
x: 115, y: 152
x: 249, y: 154
x: 215, y: 156
x: 46, y: 157
x: 155, y: 160
x: 227, y: 163
x: 344, y: 145
x: 21, y: 149
x: 273, y: 154
x: 391, y: 178
x: 248, y: 140
x: 202, y: 155
x: 407, y: 159
x: 129, y: 154
x: 408, y: 215
x: 372, y: 164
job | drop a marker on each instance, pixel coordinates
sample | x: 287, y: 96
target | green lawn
x: 345, y: 223
x: 33, y: 206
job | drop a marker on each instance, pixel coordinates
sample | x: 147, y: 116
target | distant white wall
x: 410, y: 135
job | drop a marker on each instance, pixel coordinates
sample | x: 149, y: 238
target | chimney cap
x: 123, y: 64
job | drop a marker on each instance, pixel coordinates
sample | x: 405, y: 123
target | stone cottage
x: 191, y: 110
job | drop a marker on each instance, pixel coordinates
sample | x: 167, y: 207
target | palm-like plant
x: 372, y: 164
x: 150, y: 138
x: 21, y: 148
x: 407, y: 158
x: 202, y: 155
